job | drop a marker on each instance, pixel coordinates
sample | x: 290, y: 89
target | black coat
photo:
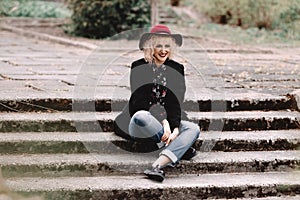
x: 141, y: 83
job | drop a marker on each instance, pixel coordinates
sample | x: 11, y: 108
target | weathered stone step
x: 204, y: 186
x: 134, y: 163
x: 292, y: 197
x: 246, y: 120
x: 108, y: 142
x: 103, y: 121
x: 232, y: 102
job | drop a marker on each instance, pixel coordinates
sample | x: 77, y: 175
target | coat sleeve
x: 140, y: 87
x: 175, y: 95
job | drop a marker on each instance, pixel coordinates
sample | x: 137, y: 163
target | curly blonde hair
x: 153, y: 41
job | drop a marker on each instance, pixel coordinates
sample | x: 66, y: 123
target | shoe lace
x: 157, y: 169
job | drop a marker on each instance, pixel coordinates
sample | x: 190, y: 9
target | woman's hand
x: 172, y: 136
x: 167, y: 131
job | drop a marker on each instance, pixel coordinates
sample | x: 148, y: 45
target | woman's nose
x: 164, y: 49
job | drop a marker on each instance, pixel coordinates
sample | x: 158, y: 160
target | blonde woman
x: 157, y: 92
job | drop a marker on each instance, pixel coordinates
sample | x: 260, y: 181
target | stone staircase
x: 179, y: 15
x: 255, y: 156
x: 50, y: 149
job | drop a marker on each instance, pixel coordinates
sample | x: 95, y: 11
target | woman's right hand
x: 167, y: 131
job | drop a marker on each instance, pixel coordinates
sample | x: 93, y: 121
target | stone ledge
x: 101, y: 142
x: 41, y: 102
x: 233, y: 185
x: 43, y: 36
x: 103, y: 121
x: 125, y: 164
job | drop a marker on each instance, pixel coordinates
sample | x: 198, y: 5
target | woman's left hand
x: 173, y: 135
x: 167, y: 131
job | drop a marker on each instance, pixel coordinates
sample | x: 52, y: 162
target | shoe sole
x: 155, y: 177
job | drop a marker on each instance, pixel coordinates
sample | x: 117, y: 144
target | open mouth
x: 163, y: 55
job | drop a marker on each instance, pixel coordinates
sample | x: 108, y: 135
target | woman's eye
x: 160, y: 46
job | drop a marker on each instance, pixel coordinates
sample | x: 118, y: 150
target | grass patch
x: 246, y: 36
x: 250, y: 21
x: 33, y: 8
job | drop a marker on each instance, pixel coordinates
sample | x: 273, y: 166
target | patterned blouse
x: 159, y: 89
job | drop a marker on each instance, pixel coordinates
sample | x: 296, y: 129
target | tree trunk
x: 175, y: 2
x: 154, y: 12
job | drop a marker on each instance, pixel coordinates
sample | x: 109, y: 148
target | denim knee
x: 140, y: 118
x: 197, y: 130
x: 194, y: 129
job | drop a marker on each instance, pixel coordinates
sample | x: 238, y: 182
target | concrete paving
x: 35, y: 67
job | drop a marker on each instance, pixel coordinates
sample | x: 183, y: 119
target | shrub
x: 104, y: 18
x: 269, y: 14
x: 33, y: 8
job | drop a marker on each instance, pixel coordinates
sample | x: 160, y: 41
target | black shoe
x: 155, y: 174
x: 189, y: 154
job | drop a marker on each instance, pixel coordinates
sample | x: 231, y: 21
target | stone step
x: 246, y: 120
x: 233, y: 102
x: 237, y: 185
x: 126, y: 163
x: 108, y: 142
x: 103, y: 121
x: 293, y: 197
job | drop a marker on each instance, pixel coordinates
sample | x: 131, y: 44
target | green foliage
x: 276, y: 15
x: 33, y: 8
x: 252, y: 35
x: 104, y: 18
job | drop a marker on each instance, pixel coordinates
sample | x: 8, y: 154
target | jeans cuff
x: 160, y: 145
x: 170, y: 155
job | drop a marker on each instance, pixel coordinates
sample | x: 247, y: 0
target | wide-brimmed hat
x: 160, y: 30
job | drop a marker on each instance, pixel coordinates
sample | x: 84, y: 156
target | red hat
x: 160, y: 30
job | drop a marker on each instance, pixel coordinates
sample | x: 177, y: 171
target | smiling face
x: 162, y: 46
x: 158, y: 49
x: 161, y: 52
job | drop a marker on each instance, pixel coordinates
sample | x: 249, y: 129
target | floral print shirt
x: 159, y: 90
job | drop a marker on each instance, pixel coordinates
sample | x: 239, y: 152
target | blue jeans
x: 144, y: 125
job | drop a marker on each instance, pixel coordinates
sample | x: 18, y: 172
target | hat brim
x: 146, y: 36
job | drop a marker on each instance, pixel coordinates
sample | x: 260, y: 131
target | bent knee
x: 140, y: 118
x: 197, y: 130
x: 193, y: 128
